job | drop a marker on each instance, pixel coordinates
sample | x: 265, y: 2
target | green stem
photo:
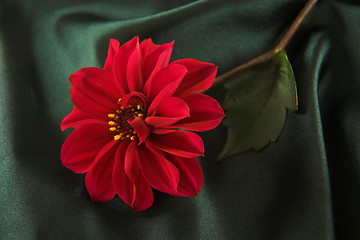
x: 280, y: 46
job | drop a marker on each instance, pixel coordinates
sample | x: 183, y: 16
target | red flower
x: 127, y: 119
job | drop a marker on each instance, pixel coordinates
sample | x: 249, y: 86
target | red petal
x: 89, y: 105
x: 143, y: 191
x: 165, y: 90
x: 77, y: 119
x: 155, y: 57
x: 97, y: 83
x: 162, y: 130
x: 158, y: 172
x: 144, y: 195
x: 136, y: 192
x: 147, y: 46
x: 93, y: 91
x: 123, y: 186
x: 131, y: 166
x: 81, y: 147
x: 120, y: 63
x: 134, y: 98
x: 98, y: 180
x: 141, y: 128
x: 200, y: 76
x: 205, y: 113
x: 191, y: 176
x: 180, y: 143
x: 162, y: 78
x: 134, y: 74
x: 172, y: 107
x: 113, y: 47
x: 169, y: 111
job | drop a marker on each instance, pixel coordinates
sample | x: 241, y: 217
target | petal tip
x: 136, y: 38
x: 114, y: 41
x: 62, y: 127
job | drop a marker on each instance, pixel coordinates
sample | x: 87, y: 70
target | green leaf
x: 256, y: 105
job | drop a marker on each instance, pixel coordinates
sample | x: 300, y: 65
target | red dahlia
x: 131, y: 120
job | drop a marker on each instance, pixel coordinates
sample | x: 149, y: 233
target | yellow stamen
x: 119, y: 121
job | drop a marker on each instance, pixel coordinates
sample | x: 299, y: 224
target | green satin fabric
x: 304, y: 186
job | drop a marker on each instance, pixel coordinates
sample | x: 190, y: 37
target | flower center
x: 119, y: 122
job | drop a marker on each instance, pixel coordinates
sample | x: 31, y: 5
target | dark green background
x: 305, y: 186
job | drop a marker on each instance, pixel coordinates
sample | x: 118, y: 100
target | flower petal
x: 158, y: 172
x: 169, y: 111
x: 131, y: 166
x: 141, y: 128
x: 134, y: 73
x: 113, y: 47
x: 134, y: 191
x: 167, y: 91
x: 81, y: 147
x: 205, y: 113
x: 123, y: 186
x: 162, y: 130
x: 97, y: 83
x: 120, y: 63
x: 181, y: 143
x: 93, y: 91
x: 155, y: 57
x: 146, y: 47
x: 98, y: 180
x: 162, y: 78
x: 164, y: 88
x: 200, y: 76
x: 78, y: 118
x: 191, y: 176
x: 134, y: 98
x: 89, y: 105
x: 144, y: 195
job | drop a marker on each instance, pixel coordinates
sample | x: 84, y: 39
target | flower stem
x: 280, y: 46
x: 295, y: 25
